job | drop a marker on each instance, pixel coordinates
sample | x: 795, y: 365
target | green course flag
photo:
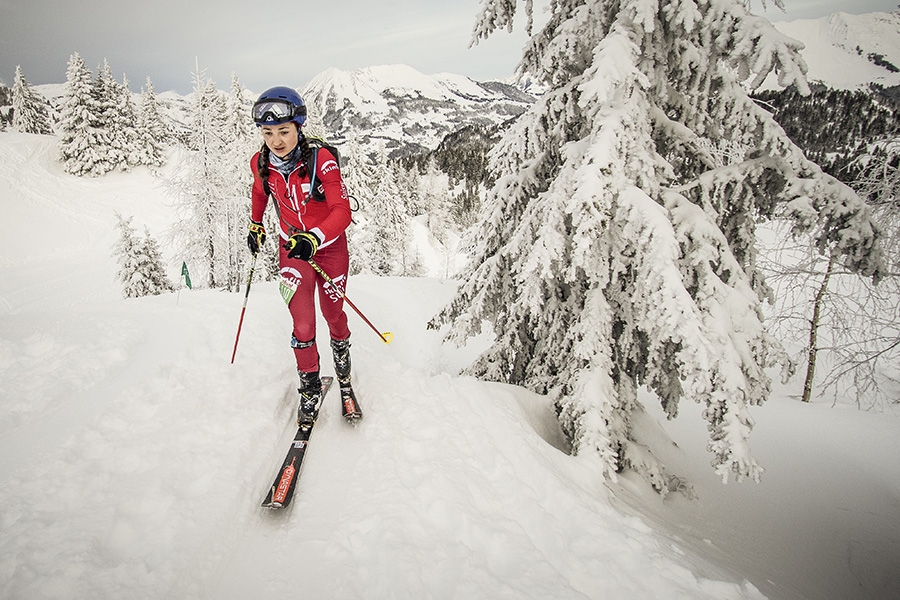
x: 187, y: 276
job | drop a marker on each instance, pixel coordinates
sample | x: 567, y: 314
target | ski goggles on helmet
x: 277, y: 111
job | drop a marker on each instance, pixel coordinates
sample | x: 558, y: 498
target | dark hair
x: 262, y: 163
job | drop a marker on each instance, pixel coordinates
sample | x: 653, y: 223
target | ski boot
x: 310, y: 393
x: 341, y: 351
x: 349, y: 406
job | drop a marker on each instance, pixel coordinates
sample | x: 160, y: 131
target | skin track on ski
x: 281, y: 492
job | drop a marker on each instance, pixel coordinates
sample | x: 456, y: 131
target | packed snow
x: 134, y: 456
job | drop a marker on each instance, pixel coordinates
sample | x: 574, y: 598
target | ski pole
x: 386, y: 337
x: 246, y: 295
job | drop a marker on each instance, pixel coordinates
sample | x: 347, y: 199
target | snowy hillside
x: 847, y: 51
x: 401, y: 107
x: 133, y: 456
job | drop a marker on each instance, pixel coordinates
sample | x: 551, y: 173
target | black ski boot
x: 310, y: 393
x: 341, y: 351
x: 349, y: 406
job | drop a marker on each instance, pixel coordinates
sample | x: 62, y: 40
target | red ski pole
x: 386, y: 337
x: 246, y: 295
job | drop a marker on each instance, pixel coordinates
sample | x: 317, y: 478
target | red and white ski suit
x: 328, y: 219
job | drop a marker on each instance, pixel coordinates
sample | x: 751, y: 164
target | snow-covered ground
x: 133, y: 455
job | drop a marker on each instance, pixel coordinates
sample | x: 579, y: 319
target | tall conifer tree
x: 152, y: 135
x: 615, y: 254
x: 204, y: 190
x: 31, y: 112
x: 141, y: 271
x: 80, y: 143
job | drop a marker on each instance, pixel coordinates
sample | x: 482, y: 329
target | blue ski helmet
x: 279, y: 105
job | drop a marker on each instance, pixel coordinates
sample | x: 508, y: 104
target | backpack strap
x: 313, y: 192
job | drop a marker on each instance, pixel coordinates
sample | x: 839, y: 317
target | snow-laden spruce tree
x: 152, y: 135
x: 128, y: 116
x: 433, y: 191
x: 211, y: 186
x: 116, y: 118
x: 98, y: 122
x: 614, y: 253
x: 200, y: 184
x: 360, y: 175
x: 241, y: 140
x: 82, y: 143
x: 382, y: 242
x: 141, y: 271
x: 31, y: 112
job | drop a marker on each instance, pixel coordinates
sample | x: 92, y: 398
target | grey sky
x: 273, y: 43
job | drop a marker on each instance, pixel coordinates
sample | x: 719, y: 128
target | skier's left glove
x: 302, y: 245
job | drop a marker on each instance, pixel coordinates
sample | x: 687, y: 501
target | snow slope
x: 840, y: 49
x: 133, y: 456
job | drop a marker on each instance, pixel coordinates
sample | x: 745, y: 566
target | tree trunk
x: 814, y: 333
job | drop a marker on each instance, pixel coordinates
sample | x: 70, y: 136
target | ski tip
x: 387, y: 337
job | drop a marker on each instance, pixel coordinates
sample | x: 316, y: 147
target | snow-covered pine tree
x: 126, y: 133
x: 381, y: 242
x: 241, y: 139
x: 31, y: 112
x: 409, y: 205
x: 433, y: 190
x: 358, y: 170
x: 81, y: 144
x: 152, y: 133
x: 117, y: 118
x: 406, y: 176
x: 202, y: 189
x: 614, y: 253
x: 108, y: 123
x: 359, y: 173
x: 140, y: 263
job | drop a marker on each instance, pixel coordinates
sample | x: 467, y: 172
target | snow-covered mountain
x: 406, y: 109
x: 847, y: 51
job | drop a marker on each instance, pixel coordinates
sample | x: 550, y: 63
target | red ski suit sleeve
x: 297, y: 209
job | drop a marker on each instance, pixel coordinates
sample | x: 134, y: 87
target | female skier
x: 313, y: 210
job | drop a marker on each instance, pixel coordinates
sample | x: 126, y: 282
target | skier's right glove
x: 257, y: 237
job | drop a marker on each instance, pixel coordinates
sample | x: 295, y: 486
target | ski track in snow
x: 143, y: 479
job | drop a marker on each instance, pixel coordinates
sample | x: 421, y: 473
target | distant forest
x: 834, y: 127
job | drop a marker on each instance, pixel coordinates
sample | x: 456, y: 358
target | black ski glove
x: 302, y: 245
x: 257, y: 236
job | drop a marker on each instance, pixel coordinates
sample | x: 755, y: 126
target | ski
x: 282, y: 490
x: 349, y: 405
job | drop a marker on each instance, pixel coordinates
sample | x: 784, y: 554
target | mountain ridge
x: 847, y: 51
x: 405, y: 110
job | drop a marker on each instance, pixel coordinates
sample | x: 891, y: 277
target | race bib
x: 287, y: 287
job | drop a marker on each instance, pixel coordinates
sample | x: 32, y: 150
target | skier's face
x: 281, y: 139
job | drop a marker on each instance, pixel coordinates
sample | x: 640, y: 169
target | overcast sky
x: 274, y: 43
